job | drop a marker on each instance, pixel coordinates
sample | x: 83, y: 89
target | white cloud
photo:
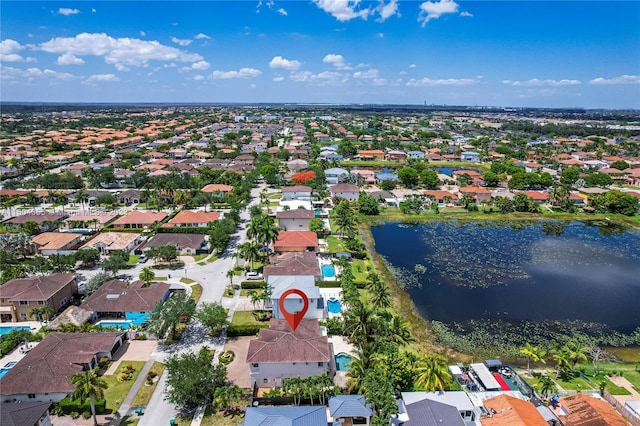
x: 538, y: 82
x: 201, y: 36
x: 142, y: 34
x: 466, y: 14
x: 93, y: 10
x: 69, y: 59
x: 372, y: 73
x: 336, y: 60
x: 343, y: 10
x: 102, y: 77
x: 200, y: 65
x: 280, y: 62
x: 181, y: 42
x: 241, y: 73
x: 301, y: 76
x: 10, y: 73
x: 623, y: 79
x: 387, y: 10
x: 433, y: 10
x: 442, y: 82
x: 198, y: 77
x: 66, y: 11
x: 380, y: 35
x: 278, y: 78
x: 282, y: 12
x: 9, y: 49
x: 120, y: 52
x: 412, y: 66
x: 379, y: 81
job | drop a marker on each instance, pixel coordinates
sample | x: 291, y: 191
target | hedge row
x: 251, y: 285
x: 330, y: 284
x: 69, y: 405
x: 245, y: 330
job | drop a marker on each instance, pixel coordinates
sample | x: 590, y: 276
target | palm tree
x: 381, y: 296
x: 181, y: 197
x: 147, y: 275
x: 432, y: 373
x: 399, y: 331
x: 576, y: 352
x: 88, y: 385
x: 547, y: 386
x: 230, y: 275
x: 533, y: 353
x: 255, y: 297
x: 362, y: 360
x: 561, y: 357
x: 41, y: 312
x: 360, y: 323
x: 81, y: 196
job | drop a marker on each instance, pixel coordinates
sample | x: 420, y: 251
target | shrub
x: 245, y: 330
x: 103, y: 361
x: 86, y: 414
x: 69, y: 406
x: 74, y: 415
x: 227, y: 356
x: 251, y: 285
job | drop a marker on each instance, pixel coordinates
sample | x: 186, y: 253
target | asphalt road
x: 213, y: 279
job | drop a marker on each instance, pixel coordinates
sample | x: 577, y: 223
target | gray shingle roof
x: 349, y: 406
x: 25, y: 413
x: 286, y: 416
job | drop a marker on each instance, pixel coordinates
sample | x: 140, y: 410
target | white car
x: 253, y: 275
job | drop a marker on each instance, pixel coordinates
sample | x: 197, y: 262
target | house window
x: 23, y: 315
x: 265, y: 380
x: 32, y: 395
x: 24, y: 303
x: 321, y: 364
x: 255, y: 365
x: 41, y: 302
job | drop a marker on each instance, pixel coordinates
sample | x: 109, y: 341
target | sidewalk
x: 126, y: 409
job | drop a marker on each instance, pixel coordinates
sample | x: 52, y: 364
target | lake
x: 461, y: 272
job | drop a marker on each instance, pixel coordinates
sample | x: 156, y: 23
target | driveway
x: 238, y: 369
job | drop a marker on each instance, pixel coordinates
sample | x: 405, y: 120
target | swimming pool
x: 4, y: 370
x: 125, y: 325
x: 328, y: 271
x: 6, y: 329
x: 343, y: 362
x: 333, y: 305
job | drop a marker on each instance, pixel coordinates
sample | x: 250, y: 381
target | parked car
x: 253, y: 275
x: 142, y: 259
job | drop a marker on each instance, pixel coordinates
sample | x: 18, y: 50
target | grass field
x: 196, y: 292
x: 145, y: 392
x: 117, y: 391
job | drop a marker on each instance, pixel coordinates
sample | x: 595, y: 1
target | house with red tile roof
x: 509, y: 411
x: 139, y: 219
x: 193, y: 218
x: 279, y: 353
x: 45, y: 371
x: 478, y: 193
x: 218, y: 188
x: 296, y: 241
x: 117, y: 298
x: 583, y: 410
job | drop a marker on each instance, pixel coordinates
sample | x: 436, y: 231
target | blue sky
x: 504, y: 53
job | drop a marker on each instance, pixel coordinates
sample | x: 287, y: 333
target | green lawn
x: 133, y: 259
x: 187, y: 280
x: 244, y: 318
x: 145, y: 392
x: 245, y: 292
x: 335, y: 244
x: 200, y: 257
x: 117, y: 391
x: 359, y: 269
x: 575, y: 383
x: 157, y: 278
x: 196, y: 292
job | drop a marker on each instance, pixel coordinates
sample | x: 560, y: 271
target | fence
x: 620, y: 408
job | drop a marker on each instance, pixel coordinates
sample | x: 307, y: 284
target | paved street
x: 212, y: 277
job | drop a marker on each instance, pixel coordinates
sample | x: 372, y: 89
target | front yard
x: 117, y: 391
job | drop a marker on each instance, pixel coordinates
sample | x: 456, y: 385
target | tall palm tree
x: 362, y: 360
x: 147, y: 275
x: 399, y: 331
x: 561, y: 356
x: 88, y: 385
x: 432, y: 373
x: 41, y: 312
x: 360, y: 323
x: 533, y: 353
x: 547, y: 386
x: 576, y: 352
x: 230, y: 275
x: 381, y: 296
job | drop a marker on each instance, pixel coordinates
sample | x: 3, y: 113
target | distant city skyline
x: 504, y: 53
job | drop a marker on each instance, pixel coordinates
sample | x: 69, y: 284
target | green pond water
x: 561, y: 273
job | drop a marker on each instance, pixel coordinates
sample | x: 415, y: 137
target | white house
x: 470, y: 156
x: 295, y: 220
x: 298, y: 192
x: 345, y: 190
x: 334, y: 175
x: 279, y: 353
x: 293, y: 303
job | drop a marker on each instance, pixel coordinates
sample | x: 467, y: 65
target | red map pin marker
x: 293, y: 319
